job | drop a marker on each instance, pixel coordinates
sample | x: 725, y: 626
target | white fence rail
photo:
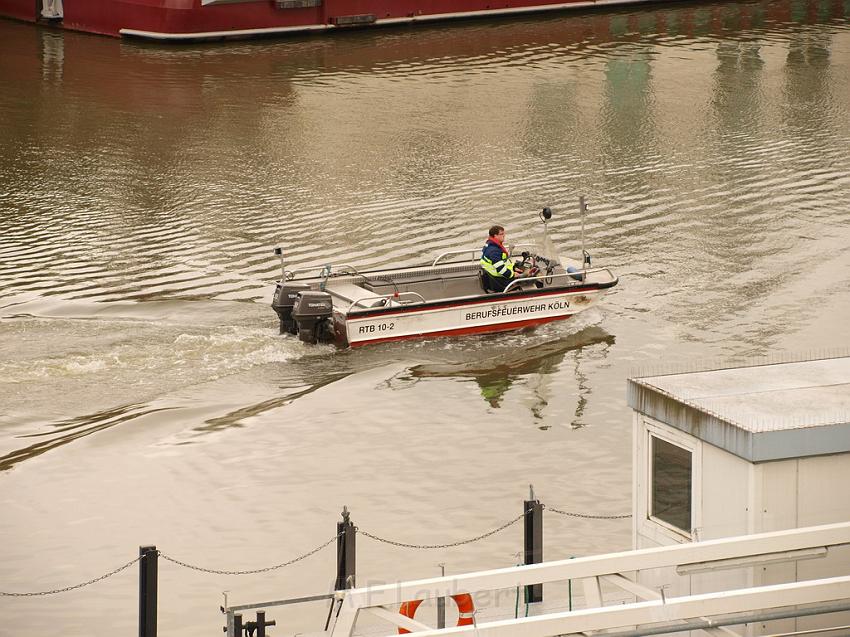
x: 735, y: 552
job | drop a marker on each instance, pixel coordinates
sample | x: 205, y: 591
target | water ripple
x: 586, y: 103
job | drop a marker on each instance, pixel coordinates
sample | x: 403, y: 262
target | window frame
x: 655, y: 526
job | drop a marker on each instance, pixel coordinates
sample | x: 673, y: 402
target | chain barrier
x: 443, y: 546
x: 489, y: 533
x: 75, y: 586
x: 314, y: 551
x: 253, y: 571
x: 588, y: 515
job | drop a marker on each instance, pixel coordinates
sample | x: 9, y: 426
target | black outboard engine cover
x: 313, y: 313
x: 284, y: 299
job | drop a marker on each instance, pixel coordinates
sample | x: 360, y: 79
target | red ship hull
x: 217, y: 19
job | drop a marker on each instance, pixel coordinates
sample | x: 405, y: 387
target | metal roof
x: 759, y: 412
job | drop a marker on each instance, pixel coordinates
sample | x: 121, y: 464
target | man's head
x: 497, y: 232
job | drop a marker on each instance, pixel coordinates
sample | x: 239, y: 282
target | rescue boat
x: 444, y: 297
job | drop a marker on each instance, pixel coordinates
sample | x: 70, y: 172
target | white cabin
x: 738, y: 451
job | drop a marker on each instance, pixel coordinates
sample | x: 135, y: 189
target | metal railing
x: 320, y: 272
x: 547, y: 278
x: 475, y: 252
x: 418, y: 299
x: 748, y: 550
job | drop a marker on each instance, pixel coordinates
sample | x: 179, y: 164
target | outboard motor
x: 284, y: 299
x: 313, y: 313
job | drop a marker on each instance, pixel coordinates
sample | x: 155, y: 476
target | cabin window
x: 671, y: 484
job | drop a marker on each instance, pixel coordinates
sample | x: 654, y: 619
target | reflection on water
x: 142, y: 188
x: 146, y: 172
x: 497, y: 374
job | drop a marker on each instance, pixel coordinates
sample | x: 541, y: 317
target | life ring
x: 465, y: 609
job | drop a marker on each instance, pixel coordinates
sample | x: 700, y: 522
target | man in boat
x: 497, y: 268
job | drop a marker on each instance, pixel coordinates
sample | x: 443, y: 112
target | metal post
x: 441, y: 602
x: 279, y: 253
x: 345, y: 552
x: 533, y: 542
x: 582, y: 210
x: 229, y: 630
x: 237, y: 625
x: 585, y: 256
x: 147, y: 590
x: 261, y: 623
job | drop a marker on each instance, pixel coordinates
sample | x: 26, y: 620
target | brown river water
x: 146, y: 397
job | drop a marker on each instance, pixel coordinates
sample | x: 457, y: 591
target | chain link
x: 444, y: 546
x: 70, y: 588
x: 588, y: 515
x: 254, y: 571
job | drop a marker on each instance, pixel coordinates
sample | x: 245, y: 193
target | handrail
x: 571, y: 275
x: 342, y: 270
x: 751, y: 546
x: 451, y: 252
x: 474, y: 250
x: 384, y: 296
x: 282, y: 602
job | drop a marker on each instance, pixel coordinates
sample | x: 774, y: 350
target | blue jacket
x: 498, y: 268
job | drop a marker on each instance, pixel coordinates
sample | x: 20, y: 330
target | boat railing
x: 475, y: 252
x: 337, y: 271
x: 417, y: 298
x: 579, y: 276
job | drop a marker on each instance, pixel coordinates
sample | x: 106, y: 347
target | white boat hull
x: 475, y: 315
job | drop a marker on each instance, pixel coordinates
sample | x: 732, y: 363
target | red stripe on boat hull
x: 463, y: 331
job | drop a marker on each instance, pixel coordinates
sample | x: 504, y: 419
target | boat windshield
x: 542, y: 246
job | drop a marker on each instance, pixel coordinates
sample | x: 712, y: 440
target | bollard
x: 237, y: 625
x: 533, y: 542
x: 345, y: 552
x: 147, y: 590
